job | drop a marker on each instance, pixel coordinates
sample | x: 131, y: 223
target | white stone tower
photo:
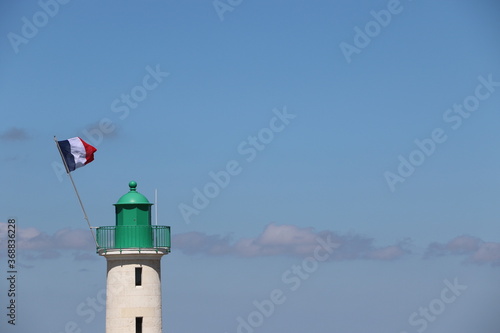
x: 133, y: 249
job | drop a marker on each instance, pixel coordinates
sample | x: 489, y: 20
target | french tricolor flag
x: 76, y: 153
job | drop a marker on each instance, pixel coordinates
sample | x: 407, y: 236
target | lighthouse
x: 133, y: 249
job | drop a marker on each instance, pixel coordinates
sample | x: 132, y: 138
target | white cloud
x: 387, y: 253
x: 476, y: 250
x: 14, y: 134
x: 487, y: 253
x: 35, y: 244
x: 288, y: 240
x: 274, y: 240
x: 463, y: 244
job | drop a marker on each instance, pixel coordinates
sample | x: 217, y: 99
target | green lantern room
x: 133, y: 228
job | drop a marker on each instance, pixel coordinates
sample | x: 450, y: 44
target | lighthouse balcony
x: 137, y: 237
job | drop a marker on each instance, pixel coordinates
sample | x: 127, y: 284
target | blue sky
x: 387, y: 149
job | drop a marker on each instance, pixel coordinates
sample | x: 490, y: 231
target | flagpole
x: 76, y: 191
x: 156, y: 206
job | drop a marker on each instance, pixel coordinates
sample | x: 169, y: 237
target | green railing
x: 137, y: 236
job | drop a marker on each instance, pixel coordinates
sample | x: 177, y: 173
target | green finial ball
x: 132, y: 185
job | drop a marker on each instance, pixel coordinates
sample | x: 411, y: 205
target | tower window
x: 138, y: 324
x: 138, y: 277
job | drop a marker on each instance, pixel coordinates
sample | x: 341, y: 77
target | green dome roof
x: 133, y: 197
